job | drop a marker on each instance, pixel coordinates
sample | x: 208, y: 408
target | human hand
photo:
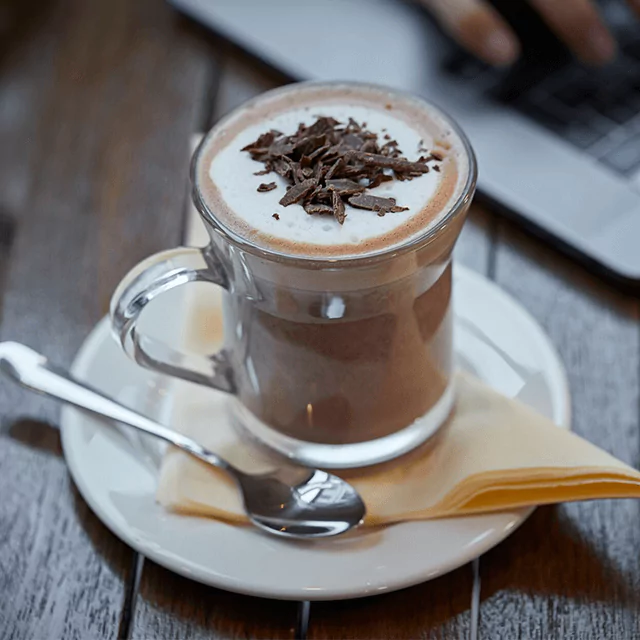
x: 482, y: 30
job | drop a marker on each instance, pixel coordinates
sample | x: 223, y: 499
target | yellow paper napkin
x: 494, y: 454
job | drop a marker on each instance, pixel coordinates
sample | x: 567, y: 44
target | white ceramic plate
x: 495, y: 338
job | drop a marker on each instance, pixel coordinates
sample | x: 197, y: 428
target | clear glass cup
x: 334, y: 363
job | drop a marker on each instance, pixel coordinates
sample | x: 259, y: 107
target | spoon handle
x: 32, y: 370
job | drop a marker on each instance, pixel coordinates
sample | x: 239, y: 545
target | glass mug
x: 334, y: 363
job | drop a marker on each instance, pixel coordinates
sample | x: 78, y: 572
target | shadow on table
x: 550, y: 556
x: 36, y: 434
x: 438, y: 608
x: 174, y: 606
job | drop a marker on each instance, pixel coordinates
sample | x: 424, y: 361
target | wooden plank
x: 440, y: 608
x: 101, y: 99
x: 25, y: 75
x: 199, y: 611
x: 573, y: 571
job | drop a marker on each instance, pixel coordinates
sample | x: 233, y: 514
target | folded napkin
x: 494, y: 454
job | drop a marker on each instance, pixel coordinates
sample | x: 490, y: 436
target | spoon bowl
x: 319, y: 505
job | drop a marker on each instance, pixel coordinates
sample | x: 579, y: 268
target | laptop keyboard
x: 598, y: 111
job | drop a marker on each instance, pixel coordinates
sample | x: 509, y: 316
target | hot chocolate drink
x: 337, y: 209
x: 230, y: 180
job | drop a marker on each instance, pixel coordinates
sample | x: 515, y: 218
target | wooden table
x: 97, y: 104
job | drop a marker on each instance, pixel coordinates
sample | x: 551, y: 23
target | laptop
x: 558, y: 144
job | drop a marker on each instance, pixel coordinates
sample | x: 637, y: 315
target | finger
x: 578, y: 24
x: 478, y: 27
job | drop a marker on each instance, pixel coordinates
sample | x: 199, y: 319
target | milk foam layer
x: 229, y: 187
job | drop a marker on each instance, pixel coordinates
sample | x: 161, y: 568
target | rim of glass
x: 316, y: 262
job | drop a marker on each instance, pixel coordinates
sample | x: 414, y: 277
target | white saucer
x: 496, y: 339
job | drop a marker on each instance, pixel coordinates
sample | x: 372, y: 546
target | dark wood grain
x: 98, y: 101
x: 169, y: 606
x: 573, y: 571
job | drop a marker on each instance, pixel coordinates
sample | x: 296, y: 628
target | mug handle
x: 149, y: 279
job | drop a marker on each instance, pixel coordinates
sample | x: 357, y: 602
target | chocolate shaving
x: 338, y: 207
x: 322, y: 125
x: 399, y: 165
x: 297, y: 193
x: 373, y: 203
x: 390, y: 149
x: 314, y: 194
x: 379, y: 179
x: 353, y: 141
x: 282, y: 167
x: 344, y: 186
x: 305, y: 162
x: 276, y: 216
x: 265, y: 140
x: 324, y: 195
x: 318, y: 208
x: 329, y: 164
x: 335, y: 167
x: 370, y: 146
x: 318, y: 152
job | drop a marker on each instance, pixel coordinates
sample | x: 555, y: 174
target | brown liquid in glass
x: 352, y: 378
